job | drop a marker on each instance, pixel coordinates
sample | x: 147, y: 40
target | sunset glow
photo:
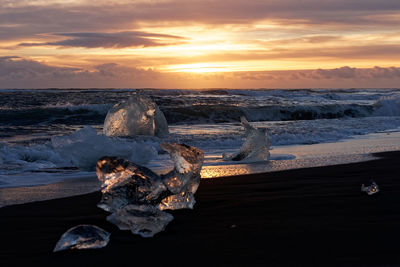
x: 173, y: 37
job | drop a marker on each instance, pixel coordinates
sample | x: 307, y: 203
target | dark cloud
x: 109, y: 40
x: 22, y: 21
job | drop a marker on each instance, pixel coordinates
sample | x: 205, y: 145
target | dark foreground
x: 307, y: 217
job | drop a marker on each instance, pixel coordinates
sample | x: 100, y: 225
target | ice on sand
x: 371, y: 189
x: 144, y: 220
x: 83, y: 237
x: 125, y: 183
x: 139, y: 115
x: 184, y: 179
x: 255, y: 147
x: 134, y: 193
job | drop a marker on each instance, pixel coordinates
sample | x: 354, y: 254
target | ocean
x: 53, y: 134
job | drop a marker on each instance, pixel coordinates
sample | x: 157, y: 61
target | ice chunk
x: 256, y: 146
x: 184, y: 179
x: 84, y: 147
x: 371, y: 189
x: 83, y: 237
x: 144, y: 220
x: 135, y: 195
x: 139, y: 115
x: 125, y: 183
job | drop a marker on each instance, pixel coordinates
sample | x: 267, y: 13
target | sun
x: 199, y: 68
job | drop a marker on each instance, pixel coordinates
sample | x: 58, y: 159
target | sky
x: 200, y: 44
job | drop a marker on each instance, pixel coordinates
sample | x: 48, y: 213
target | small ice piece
x: 256, y: 146
x: 184, y: 179
x: 83, y: 237
x: 144, y: 220
x: 139, y: 115
x: 372, y: 189
x: 125, y: 183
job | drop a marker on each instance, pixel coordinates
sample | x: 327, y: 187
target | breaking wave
x: 80, y: 150
x: 207, y: 106
x: 221, y: 113
x: 55, y: 114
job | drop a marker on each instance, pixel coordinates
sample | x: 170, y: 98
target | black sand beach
x: 305, y: 217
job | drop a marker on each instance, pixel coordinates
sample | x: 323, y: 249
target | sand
x: 304, y: 217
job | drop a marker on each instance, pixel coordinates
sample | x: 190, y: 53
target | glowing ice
x: 371, y: 189
x: 144, y: 220
x: 139, y: 115
x: 184, y: 179
x: 256, y: 146
x: 136, y: 195
x: 127, y: 183
x: 83, y: 237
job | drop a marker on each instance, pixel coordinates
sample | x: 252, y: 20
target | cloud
x: 110, y: 40
x: 17, y: 72
x: 112, y: 16
x: 342, y: 73
x: 16, y: 68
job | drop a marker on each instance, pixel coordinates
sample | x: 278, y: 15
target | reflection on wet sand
x: 225, y: 170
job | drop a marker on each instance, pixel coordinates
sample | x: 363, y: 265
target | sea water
x: 39, y: 142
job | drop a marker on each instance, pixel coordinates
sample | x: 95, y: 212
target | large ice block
x: 125, y: 182
x: 256, y: 146
x: 139, y: 115
x: 144, y: 220
x: 83, y: 237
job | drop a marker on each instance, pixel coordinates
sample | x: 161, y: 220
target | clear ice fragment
x: 144, y: 220
x: 125, y: 183
x: 371, y: 189
x: 184, y: 179
x: 83, y: 237
x: 139, y: 115
x: 256, y: 146
x: 136, y: 196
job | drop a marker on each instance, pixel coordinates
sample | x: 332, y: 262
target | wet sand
x: 66, y: 188
x: 304, y: 217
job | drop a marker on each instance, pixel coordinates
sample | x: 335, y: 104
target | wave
x: 219, y: 113
x: 388, y: 106
x: 195, y: 114
x: 223, y: 113
x: 55, y: 114
x: 230, y: 135
x: 209, y: 106
x: 81, y: 150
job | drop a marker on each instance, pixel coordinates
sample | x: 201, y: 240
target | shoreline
x: 68, y: 187
x: 303, y: 217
